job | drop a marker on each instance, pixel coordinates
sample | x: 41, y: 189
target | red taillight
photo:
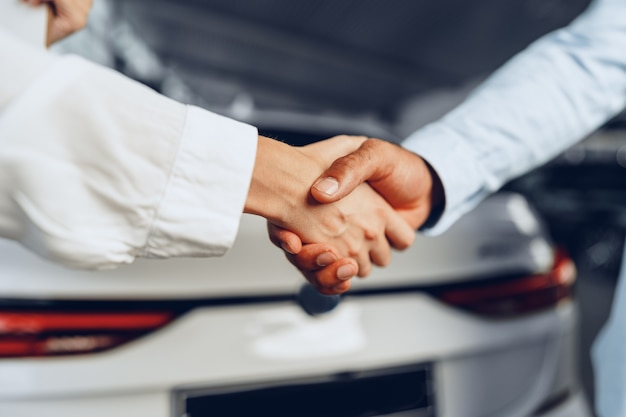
x: 52, y: 333
x: 515, y: 296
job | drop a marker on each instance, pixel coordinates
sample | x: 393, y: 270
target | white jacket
x: 97, y: 169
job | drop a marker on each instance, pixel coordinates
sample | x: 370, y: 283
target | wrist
x: 280, y: 181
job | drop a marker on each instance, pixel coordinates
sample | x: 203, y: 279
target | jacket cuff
x: 207, y: 189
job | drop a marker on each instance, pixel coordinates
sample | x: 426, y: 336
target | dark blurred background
x: 305, y: 70
x: 369, y: 67
x: 580, y: 194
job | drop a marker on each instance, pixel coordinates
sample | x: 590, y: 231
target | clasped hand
x: 372, y: 196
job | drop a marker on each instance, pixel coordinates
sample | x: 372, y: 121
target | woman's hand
x: 401, y: 177
x: 356, y: 230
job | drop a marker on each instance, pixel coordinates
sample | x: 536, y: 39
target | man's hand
x: 360, y: 226
x: 64, y: 17
x: 400, y: 176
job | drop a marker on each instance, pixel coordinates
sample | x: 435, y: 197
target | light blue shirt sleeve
x: 549, y: 96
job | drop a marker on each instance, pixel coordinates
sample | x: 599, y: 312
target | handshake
x: 338, y: 206
x: 335, y: 207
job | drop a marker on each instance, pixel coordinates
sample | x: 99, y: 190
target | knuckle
x: 334, y: 226
x: 371, y: 234
x: 354, y: 249
x: 348, y: 162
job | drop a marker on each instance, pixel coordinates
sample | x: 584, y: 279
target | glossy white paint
x: 483, y: 367
x: 221, y: 345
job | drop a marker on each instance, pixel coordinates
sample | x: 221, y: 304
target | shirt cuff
x: 455, y: 163
x: 204, y: 200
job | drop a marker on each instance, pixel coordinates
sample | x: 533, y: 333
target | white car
x: 478, y: 322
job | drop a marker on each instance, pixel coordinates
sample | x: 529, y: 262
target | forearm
x: 98, y: 169
x: 555, y: 93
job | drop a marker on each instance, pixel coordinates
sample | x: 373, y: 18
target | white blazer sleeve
x: 96, y: 169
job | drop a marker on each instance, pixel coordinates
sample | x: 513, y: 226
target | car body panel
x: 389, y: 320
x: 265, y: 342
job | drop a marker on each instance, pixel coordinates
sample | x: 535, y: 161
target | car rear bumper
x: 271, y: 343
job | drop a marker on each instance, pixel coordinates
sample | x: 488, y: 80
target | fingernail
x: 325, y: 259
x: 345, y: 272
x: 327, y: 185
x: 287, y: 248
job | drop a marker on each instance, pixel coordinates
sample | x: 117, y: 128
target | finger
x: 346, y: 173
x: 284, y: 239
x: 364, y: 263
x: 380, y: 252
x: 321, y: 265
x: 330, y: 149
x: 336, y: 290
x: 314, y: 256
x: 398, y: 231
x: 334, y: 275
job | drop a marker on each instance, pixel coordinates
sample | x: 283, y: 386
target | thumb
x: 347, y: 173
